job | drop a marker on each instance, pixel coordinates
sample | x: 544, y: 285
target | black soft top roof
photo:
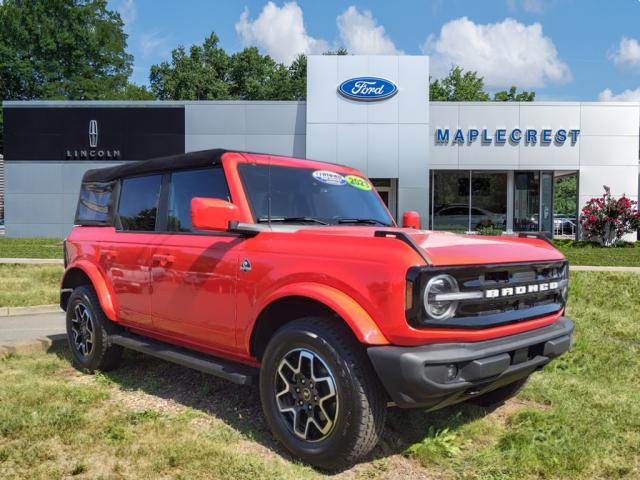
x: 203, y: 158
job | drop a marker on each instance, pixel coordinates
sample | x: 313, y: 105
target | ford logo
x: 367, y: 89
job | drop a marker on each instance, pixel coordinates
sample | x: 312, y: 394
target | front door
x: 194, y: 274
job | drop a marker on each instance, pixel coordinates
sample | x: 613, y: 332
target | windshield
x: 302, y: 195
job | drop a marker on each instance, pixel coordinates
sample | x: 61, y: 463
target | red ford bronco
x: 292, y: 273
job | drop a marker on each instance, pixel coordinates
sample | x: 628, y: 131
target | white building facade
x: 462, y: 166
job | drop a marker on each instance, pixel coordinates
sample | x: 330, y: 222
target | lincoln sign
x: 499, y: 136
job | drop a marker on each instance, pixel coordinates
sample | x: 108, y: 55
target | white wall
x: 384, y: 139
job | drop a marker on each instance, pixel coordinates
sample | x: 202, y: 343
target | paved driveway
x: 27, y: 327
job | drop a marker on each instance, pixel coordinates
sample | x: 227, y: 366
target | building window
x: 138, y: 206
x: 465, y: 201
x: 450, y: 200
x: 187, y: 184
x: 488, y: 200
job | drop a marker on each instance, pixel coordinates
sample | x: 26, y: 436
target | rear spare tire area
x: 320, y: 395
x: 88, y: 330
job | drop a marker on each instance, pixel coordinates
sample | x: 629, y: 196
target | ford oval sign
x: 367, y: 89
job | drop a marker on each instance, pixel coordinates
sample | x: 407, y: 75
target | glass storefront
x: 477, y: 200
x: 465, y: 200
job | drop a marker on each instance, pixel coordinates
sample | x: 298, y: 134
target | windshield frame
x: 342, y: 170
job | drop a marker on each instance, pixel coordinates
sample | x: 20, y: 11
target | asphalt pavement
x: 26, y: 327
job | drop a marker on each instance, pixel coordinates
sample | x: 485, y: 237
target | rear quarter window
x: 95, y: 204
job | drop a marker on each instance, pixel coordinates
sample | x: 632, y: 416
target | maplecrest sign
x: 500, y: 136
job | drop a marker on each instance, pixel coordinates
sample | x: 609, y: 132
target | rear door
x: 194, y: 273
x: 127, y: 258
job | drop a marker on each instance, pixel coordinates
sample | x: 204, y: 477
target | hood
x: 448, y: 249
x: 444, y: 248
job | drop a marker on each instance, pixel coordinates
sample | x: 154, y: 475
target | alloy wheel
x: 306, y: 394
x: 82, y: 328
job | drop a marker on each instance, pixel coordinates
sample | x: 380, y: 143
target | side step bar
x: 234, y: 372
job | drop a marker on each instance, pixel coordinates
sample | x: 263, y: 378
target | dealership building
x: 461, y: 165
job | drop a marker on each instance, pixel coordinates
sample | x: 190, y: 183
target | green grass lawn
x: 28, y: 285
x: 589, y: 253
x: 578, y: 418
x: 30, y: 247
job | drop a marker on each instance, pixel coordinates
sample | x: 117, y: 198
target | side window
x: 187, y: 184
x: 138, y: 204
x: 94, y: 204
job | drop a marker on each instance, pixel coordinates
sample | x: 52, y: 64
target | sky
x: 564, y: 50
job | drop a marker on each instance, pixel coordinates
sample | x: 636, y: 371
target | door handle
x: 163, y: 260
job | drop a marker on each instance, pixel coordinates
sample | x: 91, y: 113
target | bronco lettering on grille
x: 520, y: 290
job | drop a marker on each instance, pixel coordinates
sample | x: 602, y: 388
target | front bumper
x: 420, y: 376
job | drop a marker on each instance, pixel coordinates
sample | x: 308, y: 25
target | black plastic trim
x: 403, y: 237
x: 417, y: 376
x: 232, y: 371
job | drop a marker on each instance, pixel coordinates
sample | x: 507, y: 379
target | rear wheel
x: 88, y: 331
x: 319, y: 393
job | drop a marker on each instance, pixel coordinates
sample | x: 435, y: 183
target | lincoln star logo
x: 93, y: 133
x: 367, y: 89
x: 521, y: 290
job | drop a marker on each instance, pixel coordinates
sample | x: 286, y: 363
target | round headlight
x: 435, y: 302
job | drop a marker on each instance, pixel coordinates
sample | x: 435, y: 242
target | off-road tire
x: 497, y: 397
x: 359, y: 420
x: 103, y: 355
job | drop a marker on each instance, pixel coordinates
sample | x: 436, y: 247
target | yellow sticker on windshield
x: 358, y: 182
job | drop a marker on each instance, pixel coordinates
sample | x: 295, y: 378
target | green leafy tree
x: 62, y: 49
x: 458, y: 86
x: 207, y: 72
x: 461, y: 86
x: 199, y: 74
x: 513, y: 96
x: 564, y: 195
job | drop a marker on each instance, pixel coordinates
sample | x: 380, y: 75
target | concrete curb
x: 11, y: 311
x: 588, y: 268
x: 34, y: 261
x: 26, y: 347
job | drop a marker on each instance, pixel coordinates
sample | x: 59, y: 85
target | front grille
x: 500, y: 304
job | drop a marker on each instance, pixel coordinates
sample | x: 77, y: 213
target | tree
x: 512, y: 96
x: 207, y: 72
x: 200, y: 74
x: 564, y: 195
x: 458, y: 87
x: 62, y: 49
x: 461, y: 86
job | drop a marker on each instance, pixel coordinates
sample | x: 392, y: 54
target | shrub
x: 606, y: 219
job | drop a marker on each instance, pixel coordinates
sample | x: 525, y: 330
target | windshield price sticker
x: 330, y: 178
x: 358, y: 182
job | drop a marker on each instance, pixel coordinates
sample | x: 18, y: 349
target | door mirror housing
x: 213, y: 214
x: 411, y: 219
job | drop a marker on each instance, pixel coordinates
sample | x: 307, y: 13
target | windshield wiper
x: 367, y: 221
x: 291, y: 219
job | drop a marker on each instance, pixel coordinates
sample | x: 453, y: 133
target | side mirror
x: 411, y: 219
x: 212, y: 214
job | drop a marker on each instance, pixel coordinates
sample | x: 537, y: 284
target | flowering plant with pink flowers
x: 607, y: 219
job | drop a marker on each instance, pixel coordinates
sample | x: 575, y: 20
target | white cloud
x: 627, y: 54
x: 505, y: 53
x: 128, y: 11
x: 279, y: 32
x: 151, y: 43
x: 532, y: 6
x: 627, y: 96
x: 361, y: 34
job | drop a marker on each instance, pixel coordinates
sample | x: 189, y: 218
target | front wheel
x: 319, y: 393
x: 88, y: 330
